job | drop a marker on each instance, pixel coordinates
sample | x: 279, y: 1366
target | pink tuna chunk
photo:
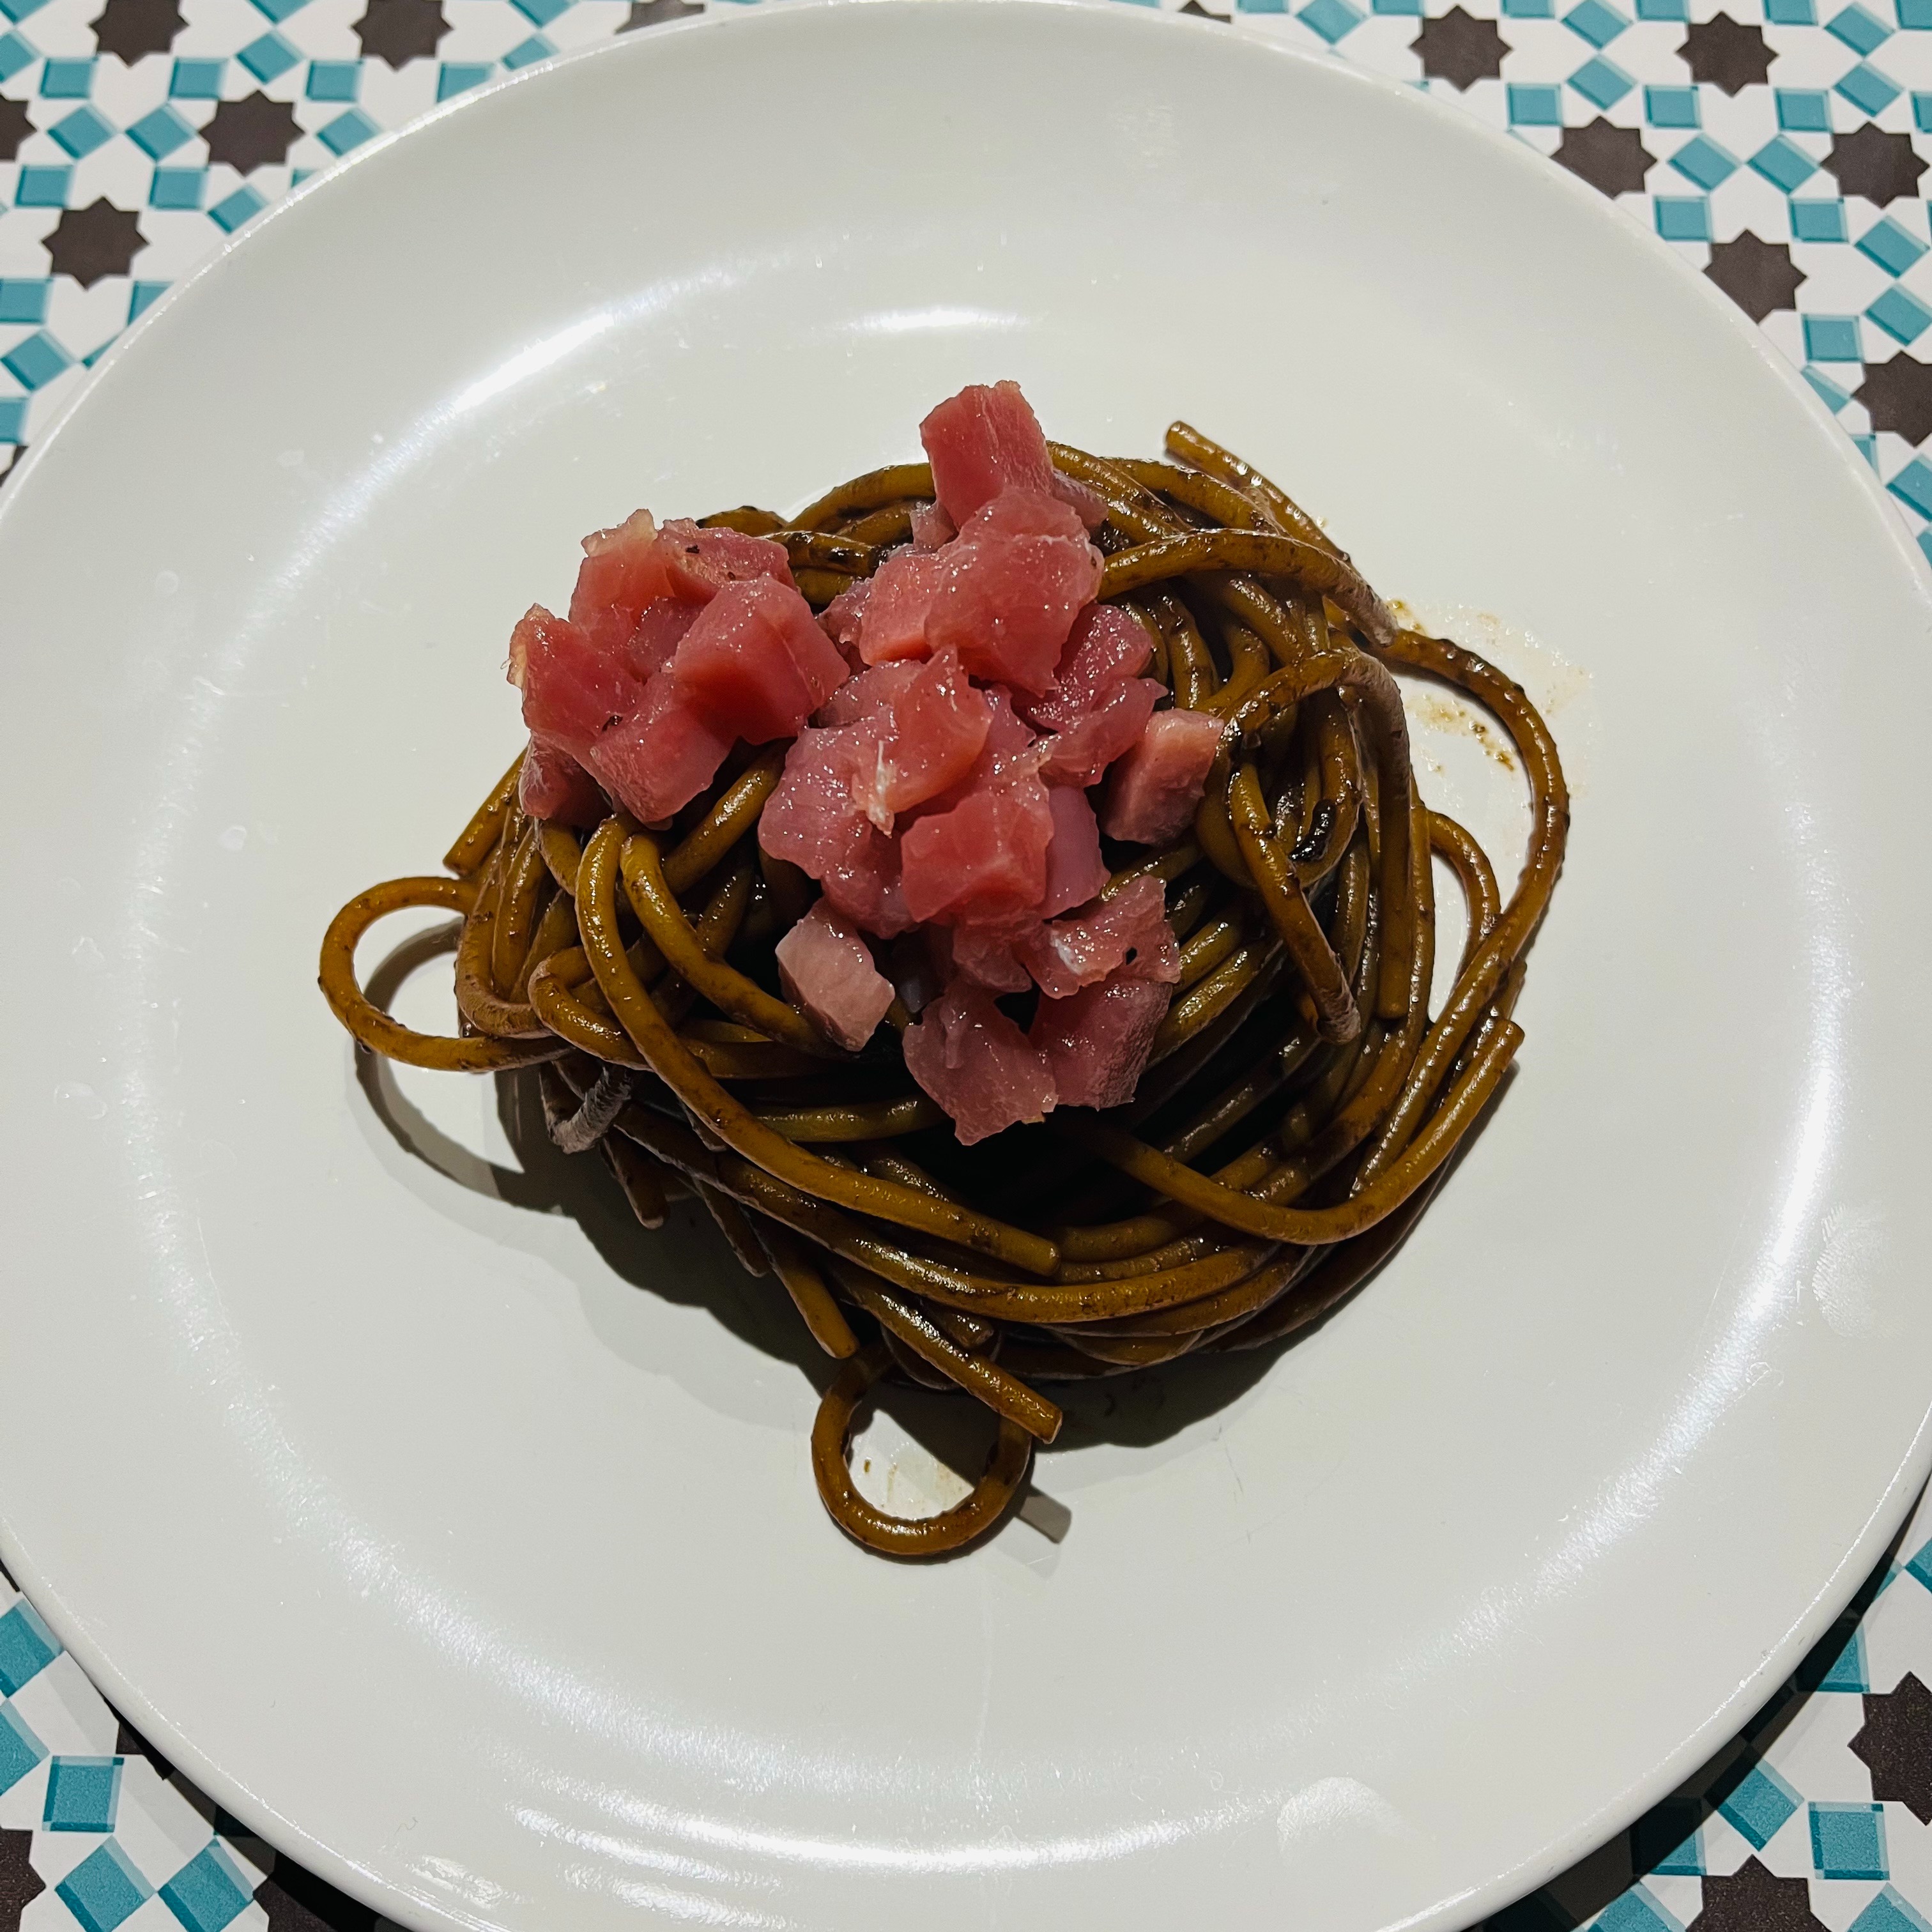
x: 656, y: 761
x: 939, y: 725
x: 932, y: 529
x: 572, y: 689
x: 1106, y: 646
x: 977, y: 1064
x: 1129, y: 931
x: 826, y: 968
x: 553, y: 785
x: 985, y: 955
x: 1016, y: 577
x: 841, y: 618
x: 1075, y: 870
x: 813, y: 820
x: 699, y: 562
x: 1079, y: 755
x: 903, y: 589
x: 1154, y: 790
x: 984, y: 440
x: 661, y: 627
x: 869, y: 694
x: 1096, y: 1043
x: 756, y: 663
x: 982, y: 862
x: 624, y: 568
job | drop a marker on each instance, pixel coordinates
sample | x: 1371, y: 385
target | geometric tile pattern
x: 1781, y: 146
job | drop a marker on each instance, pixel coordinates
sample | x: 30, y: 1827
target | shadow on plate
x: 1138, y: 1410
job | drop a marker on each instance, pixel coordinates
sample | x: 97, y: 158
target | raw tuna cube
x: 903, y: 589
x: 756, y: 663
x: 1075, y: 870
x: 1128, y: 932
x: 1079, y: 755
x: 977, y: 1064
x: 553, y: 785
x: 1153, y: 790
x: 572, y: 690
x: 932, y: 529
x: 699, y: 562
x: 1106, y: 646
x: 655, y: 762
x: 984, y: 861
x: 939, y: 725
x: 1096, y: 1043
x: 624, y: 568
x: 1016, y: 577
x: 661, y: 627
x: 870, y: 694
x: 811, y: 819
x: 985, y: 440
x: 841, y: 618
x: 986, y: 955
x: 826, y: 969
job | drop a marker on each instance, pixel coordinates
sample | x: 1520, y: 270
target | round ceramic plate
x: 461, y: 1538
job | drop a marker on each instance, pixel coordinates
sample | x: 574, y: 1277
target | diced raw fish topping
x: 662, y: 626
x: 1106, y: 646
x: 1129, y: 930
x: 985, y: 955
x: 1095, y: 1045
x: 1075, y: 870
x: 841, y: 618
x: 699, y: 562
x: 755, y: 662
x: 983, y: 861
x: 813, y: 819
x: 961, y: 700
x: 1079, y: 755
x: 931, y: 527
x: 869, y: 694
x: 1015, y: 578
x: 893, y: 624
x: 654, y: 762
x: 572, y: 689
x: 624, y: 568
x: 826, y: 968
x: 1153, y: 791
x: 553, y: 785
x: 977, y: 1064
x: 986, y: 439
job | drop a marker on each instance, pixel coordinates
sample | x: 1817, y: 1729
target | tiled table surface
x: 1780, y: 145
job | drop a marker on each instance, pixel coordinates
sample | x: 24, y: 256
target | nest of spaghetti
x: 1000, y: 895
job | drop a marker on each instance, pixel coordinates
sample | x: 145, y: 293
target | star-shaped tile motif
x: 1758, y: 276
x: 1612, y: 160
x: 14, y: 126
x: 129, y: 28
x: 1457, y: 47
x: 1727, y: 54
x: 648, y: 13
x: 401, y: 31
x: 249, y: 133
x: 1753, y: 1900
x: 20, y: 1885
x: 1896, y: 1743
x: 1201, y: 12
x: 87, y: 243
x: 1882, y: 167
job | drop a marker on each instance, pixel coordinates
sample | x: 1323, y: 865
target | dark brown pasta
x: 1301, y: 1103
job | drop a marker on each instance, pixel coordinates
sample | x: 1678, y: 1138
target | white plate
x: 492, y: 1585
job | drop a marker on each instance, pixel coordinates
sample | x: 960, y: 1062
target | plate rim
x: 422, y: 1913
